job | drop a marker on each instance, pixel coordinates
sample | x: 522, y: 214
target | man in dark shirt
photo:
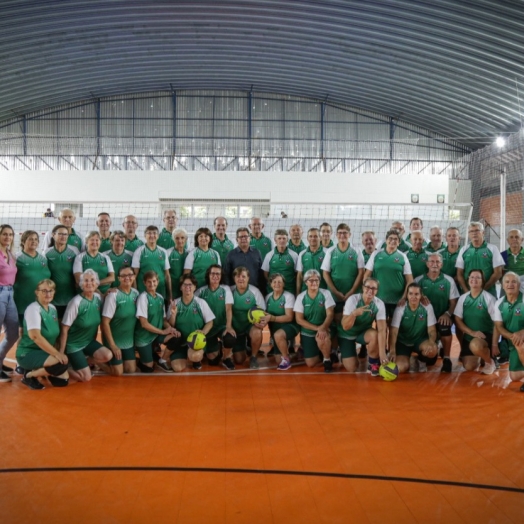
x: 246, y: 256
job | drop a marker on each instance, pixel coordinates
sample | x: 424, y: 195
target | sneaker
x: 253, y: 363
x: 228, y: 364
x: 197, y: 365
x: 502, y: 360
x: 413, y: 364
x: 163, y: 365
x: 4, y: 377
x: 522, y: 388
x: 7, y: 370
x: 32, y: 383
x: 422, y: 367
x: 328, y: 366
x: 58, y: 382
x: 20, y: 370
x: 489, y: 368
x: 496, y: 362
x: 143, y: 368
x: 214, y: 361
x: 373, y: 369
x: 447, y: 366
x: 334, y: 357
x: 284, y: 365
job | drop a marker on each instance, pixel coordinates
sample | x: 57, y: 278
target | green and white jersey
x: 511, y: 315
x: 152, y: 308
x: 193, y: 316
x: 389, y: 270
x: 263, y: 244
x: 165, y: 239
x: 439, y: 291
x: 217, y: 301
x: 313, y: 309
x: 297, y: 249
x: 30, y: 271
x: 477, y: 313
x: 83, y: 316
x: 176, y: 270
x: 101, y: 264
x: 366, y: 255
x: 413, y: 325
x: 133, y: 245
x: 343, y: 266
x: 118, y: 261
x: 403, y: 246
x: 222, y: 247
x: 198, y: 261
x: 242, y: 303
x: 61, y: 268
x: 105, y: 244
x: 277, y: 307
x: 377, y: 311
x: 145, y: 259
x: 430, y: 249
x: 417, y: 261
x: 486, y: 258
x: 307, y: 260
x: 449, y: 262
x: 120, y: 307
x: 514, y: 263
x: 73, y: 240
x: 284, y: 263
x: 331, y: 245
x: 36, y: 317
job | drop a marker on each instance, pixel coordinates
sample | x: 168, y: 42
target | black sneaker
x: 32, y: 383
x: 334, y: 357
x: 228, y: 364
x: 447, y: 366
x: 143, y: 368
x: 20, y: 370
x: 164, y: 366
x: 58, y: 382
x: 502, y: 360
x: 214, y: 361
x: 7, y: 370
x: 4, y: 377
x: 197, y: 365
x: 328, y: 366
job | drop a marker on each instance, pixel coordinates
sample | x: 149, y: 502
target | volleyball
x: 196, y: 341
x: 255, y: 315
x: 388, y: 371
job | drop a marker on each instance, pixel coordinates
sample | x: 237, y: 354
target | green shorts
x: 514, y: 360
x: 464, y: 346
x: 241, y: 343
x: 33, y: 359
x: 403, y: 350
x: 78, y: 359
x: 339, y: 307
x: 348, y: 347
x: 291, y: 330
x: 310, y: 346
x: 390, y: 309
x: 127, y: 354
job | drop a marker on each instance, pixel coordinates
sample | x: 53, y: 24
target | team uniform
x: 297, y: 249
x: 328, y: 247
x: 73, y: 240
x: 152, y: 308
x: 242, y: 303
x: 222, y: 247
x: 284, y: 263
x: 315, y: 312
x: 133, y: 245
x: 198, y: 262
x: 101, y: 264
x: 449, y: 263
x: 28, y: 354
x: 145, y: 259
x: 61, y: 268
x: 513, y: 262
x: 120, y: 307
x: 263, y: 244
x: 165, y: 239
x: 348, y: 338
x: 176, y: 270
x: 119, y: 261
x: 417, y: 261
x: 512, y: 317
x: 408, y: 242
x: 403, y: 246
x: 277, y: 307
x: 83, y: 316
x: 307, y: 260
x: 430, y: 249
x: 105, y: 244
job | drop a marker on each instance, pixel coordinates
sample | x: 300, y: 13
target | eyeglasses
x: 243, y: 237
x: 62, y: 234
x: 46, y: 291
x: 374, y: 289
x: 314, y: 280
x: 188, y: 285
x: 127, y: 275
x: 215, y: 274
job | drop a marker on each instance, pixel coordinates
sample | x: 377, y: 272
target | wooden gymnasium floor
x: 265, y: 446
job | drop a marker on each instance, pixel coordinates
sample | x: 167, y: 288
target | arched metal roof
x: 451, y: 66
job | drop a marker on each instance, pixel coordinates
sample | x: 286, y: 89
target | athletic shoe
x: 214, y: 361
x: 284, y: 365
x: 164, y: 366
x: 447, y: 366
x: 253, y: 363
x: 328, y: 366
x: 58, y: 382
x: 300, y: 354
x: 334, y: 357
x: 7, y: 369
x: 496, y: 362
x: 488, y: 368
x: 4, y: 377
x: 143, y: 368
x: 228, y: 364
x: 20, y: 370
x: 373, y: 369
x: 502, y: 360
x: 522, y: 388
x: 413, y: 364
x: 422, y: 367
x: 32, y: 383
x: 197, y: 365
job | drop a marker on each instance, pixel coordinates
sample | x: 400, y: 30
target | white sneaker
x: 489, y: 368
x: 422, y: 367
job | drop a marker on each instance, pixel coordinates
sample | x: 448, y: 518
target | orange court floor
x: 298, y: 446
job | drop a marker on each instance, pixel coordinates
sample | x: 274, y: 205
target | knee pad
x: 174, y: 343
x: 228, y: 340
x: 56, y: 369
x: 58, y: 382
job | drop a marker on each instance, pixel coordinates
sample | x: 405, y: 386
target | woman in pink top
x: 8, y: 312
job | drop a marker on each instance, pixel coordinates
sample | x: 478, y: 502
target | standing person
x: 130, y: 225
x: 325, y: 236
x: 103, y: 222
x: 118, y: 255
x: 450, y: 253
x: 369, y: 243
x: 221, y: 243
x: 478, y: 254
x: 281, y: 260
x: 8, y: 312
x: 118, y: 322
x: 415, y: 224
x: 474, y: 316
x: 416, y: 254
x: 436, y: 245
x: 443, y: 294
x: 314, y: 312
x: 32, y: 267
x: 514, y: 255
x: 60, y: 259
x: 151, y: 257
x: 311, y: 258
x: 220, y: 300
x: 398, y: 226
x: 200, y: 258
x: 413, y: 331
x: 80, y: 329
x: 244, y: 256
x: 295, y: 239
x: 36, y: 351
x: 177, y: 258
x: 67, y: 218
x: 165, y: 239
x: 258, y: 239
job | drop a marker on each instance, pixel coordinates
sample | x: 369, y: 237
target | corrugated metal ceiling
x: 454, y: 67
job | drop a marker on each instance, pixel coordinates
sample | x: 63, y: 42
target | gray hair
x: 476, y: 224
x: 88, y: 272
x: 178, y: 231
x: 311, y: 273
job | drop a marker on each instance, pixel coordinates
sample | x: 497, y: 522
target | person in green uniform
x: 245, y: 297
x: 398, y: 226
x: 36, y: 352
x: 295, y: 239
x: 258, y: 240
x: 130, y: 225
x: 60, y: 259
x: 435, y: 245
x: 311, y: 258
x: 314, y: 312
x: 67, y: 218
x: 416, y: 254
x: 177, y: 258
x: 413, y: 331
x: 118, y: 255
x: 91, y: 258
x: 221, y: 243
x: 443, y: 294
x: 281, y: 260
x: 220, y: 300
x: 151, y: 257
x: 361, y: 312
x: 326, y: 231
x: 165, y: 239
x: 200, y: 258
x: 281, y: 320
x: 103, y: 222
x: 118, y: 323
x: 450, y: 253
x: 369, y: 244
x: 152, y: 327
x: 474, y: 316
x: 32, y: 267
x: 415, y: 224
x: 80, y: 328
x: 391, y: 268
x: 509, y: 322
x: 478, y: 254
x: 514, y: 255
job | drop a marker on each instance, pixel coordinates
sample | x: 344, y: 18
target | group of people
x: 358, y: 306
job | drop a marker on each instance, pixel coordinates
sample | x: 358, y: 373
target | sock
x: 374, y: 360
